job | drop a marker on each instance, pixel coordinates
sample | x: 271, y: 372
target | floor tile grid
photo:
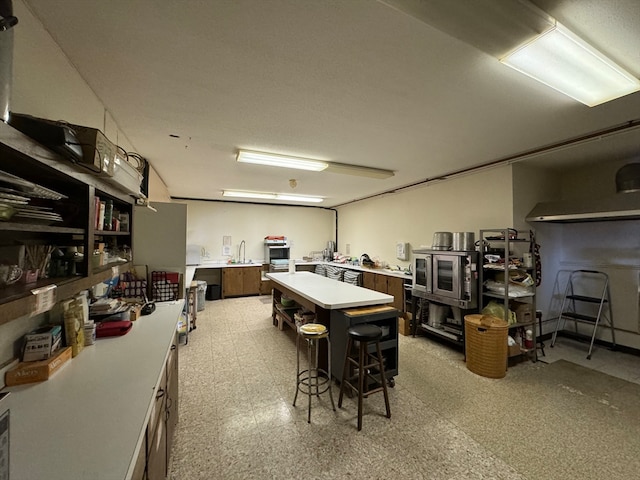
x: 409, y: 445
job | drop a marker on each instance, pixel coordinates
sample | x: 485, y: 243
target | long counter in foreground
x: 88, y: 421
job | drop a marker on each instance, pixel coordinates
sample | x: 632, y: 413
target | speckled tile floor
x: 556, y: 420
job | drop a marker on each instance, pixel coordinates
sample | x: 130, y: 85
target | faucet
x: 244, y: 251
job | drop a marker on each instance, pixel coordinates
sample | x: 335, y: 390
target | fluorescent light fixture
x: 563, y: 61
x: 272, y: 196
x: 359, y: 171
x: 274, y: 160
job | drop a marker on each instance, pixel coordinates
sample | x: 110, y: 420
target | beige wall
x: 307, y: 228
x: 463, y: 204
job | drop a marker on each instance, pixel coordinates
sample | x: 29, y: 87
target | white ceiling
x: 350, y: 81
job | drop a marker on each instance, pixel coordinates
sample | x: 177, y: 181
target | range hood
x: 620, y: 206
x: 624, y: 205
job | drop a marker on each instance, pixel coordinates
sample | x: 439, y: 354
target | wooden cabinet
x: 240, y: 281
x: 53, y: 184
x: 163, y: 420
x: 386, y: 284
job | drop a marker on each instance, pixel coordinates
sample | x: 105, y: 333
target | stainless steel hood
x: 620, y: 206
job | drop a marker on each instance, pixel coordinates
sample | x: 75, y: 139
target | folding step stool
x: 572, y: 301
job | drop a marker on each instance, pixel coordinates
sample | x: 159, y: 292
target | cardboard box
x: 135, y: 312
x: 523, y: 311
x: 404, y: 326
x: 98, y: 153
x: 41, y: 344
x: 31, y: 372
x: 514, y: 350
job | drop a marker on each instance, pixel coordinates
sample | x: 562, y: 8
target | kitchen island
x: 336, y: 305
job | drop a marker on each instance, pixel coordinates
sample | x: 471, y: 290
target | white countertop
x: 88, y: 420
x: 327, y: 292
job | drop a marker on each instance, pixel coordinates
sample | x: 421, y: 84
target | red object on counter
x: 113, y: 329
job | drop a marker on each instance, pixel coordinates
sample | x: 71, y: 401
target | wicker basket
x: 486, y: 345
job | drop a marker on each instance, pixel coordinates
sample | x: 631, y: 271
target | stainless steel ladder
x: 571, y: 301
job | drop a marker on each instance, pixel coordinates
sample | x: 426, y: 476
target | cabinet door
x: 140, y: 469
x: 172, y: 395
x: 232, y: 283
x: 380, y: 283
x: 157, y: 459
x: 251, y: 280
x: 369, y: 280
x: 395, y: 287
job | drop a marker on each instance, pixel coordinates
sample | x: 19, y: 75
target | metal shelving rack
x: 508, y: 245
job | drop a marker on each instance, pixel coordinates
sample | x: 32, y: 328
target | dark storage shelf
x: 18, y: 300
x: 110, y: 233
x: 29, y: 227
x: 27, y: 159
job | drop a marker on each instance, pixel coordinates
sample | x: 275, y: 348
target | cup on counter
x: 292, y: 266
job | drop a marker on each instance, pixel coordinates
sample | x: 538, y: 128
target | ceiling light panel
x: 272, y: 196
x: 284, y: 161
x: 563, y: 61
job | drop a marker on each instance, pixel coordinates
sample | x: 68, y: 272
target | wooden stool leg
x: 361, y: 364
x: 297, y: 369
x: 345, y: 371
x: 309, y: 377
x: 383, y: 380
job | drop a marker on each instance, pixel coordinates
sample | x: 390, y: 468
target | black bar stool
x: 313, y: 380
x: 368, y: 365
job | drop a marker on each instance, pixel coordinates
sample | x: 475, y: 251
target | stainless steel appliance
x: 277, y: 253
x: 446, y: 277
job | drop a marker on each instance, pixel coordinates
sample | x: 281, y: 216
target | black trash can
x: 213, y: 292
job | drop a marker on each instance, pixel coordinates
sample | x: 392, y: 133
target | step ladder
x: 573, y: 303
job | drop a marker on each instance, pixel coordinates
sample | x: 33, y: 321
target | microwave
x: 446, y: 277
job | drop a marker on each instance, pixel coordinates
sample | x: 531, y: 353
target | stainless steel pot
x: 442, y: 241
x: 463, y: 241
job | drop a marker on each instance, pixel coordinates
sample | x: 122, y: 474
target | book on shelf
x: 101, y: 213
x: 108, y: 214
x: 96, y: 213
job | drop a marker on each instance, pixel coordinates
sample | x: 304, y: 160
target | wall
x: 463, y: 204
x: 307, y: 228
x: 45, y: 84
x: 612, y: 247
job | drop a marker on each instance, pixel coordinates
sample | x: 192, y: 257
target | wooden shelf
x: 110, y: 233
x: 29, y: 227
x: 18, y: 299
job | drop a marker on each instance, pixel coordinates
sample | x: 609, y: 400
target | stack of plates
x: 17, y: 193
x: 33, y: 214
x: 31, y: 189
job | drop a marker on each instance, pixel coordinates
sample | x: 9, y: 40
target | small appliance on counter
x: 366, y: 261
x: 276, y: 253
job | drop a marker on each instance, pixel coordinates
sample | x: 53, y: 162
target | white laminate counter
x: 327, y: 292
x: 88, y: 420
